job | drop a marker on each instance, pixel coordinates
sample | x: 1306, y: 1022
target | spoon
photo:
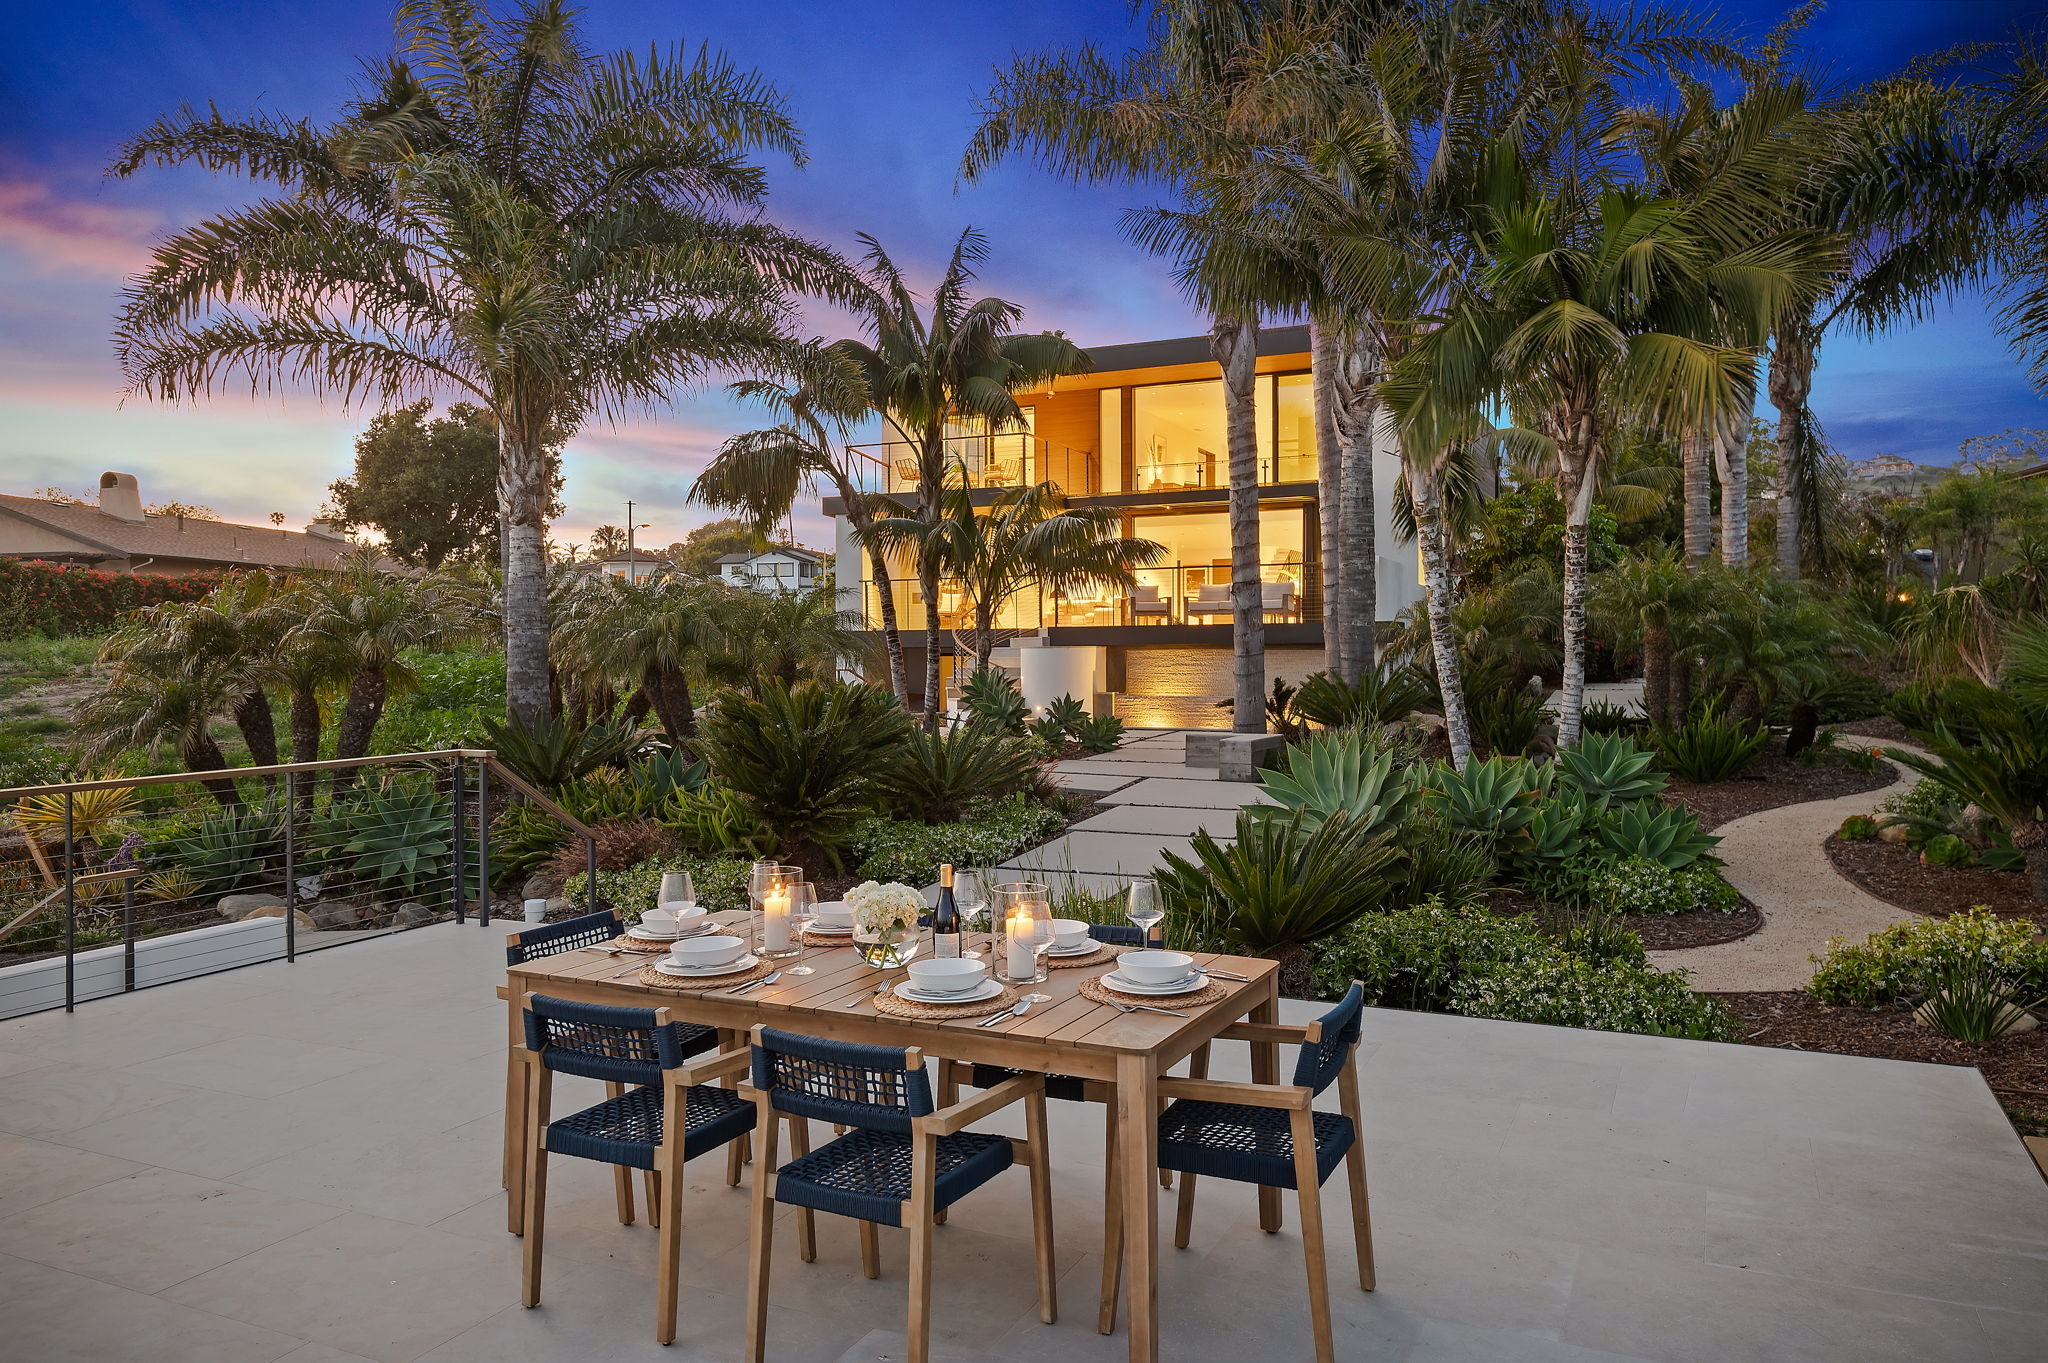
x: 1022, y: 1007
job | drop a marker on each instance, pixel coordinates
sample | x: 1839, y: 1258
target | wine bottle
x: 946, y: 918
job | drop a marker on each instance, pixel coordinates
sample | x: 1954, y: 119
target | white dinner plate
x: 981, y: 993
x: 1185, y: 986
x: 668, y: 967
x: 1082, y: 950
x: 831, y: 929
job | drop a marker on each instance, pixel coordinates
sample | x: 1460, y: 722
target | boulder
x: 559, y: 909
x: 335, y: 914
x: 411, y: 915
x: 539, y: 885
x: 301, y: 918
x: 236, y: 907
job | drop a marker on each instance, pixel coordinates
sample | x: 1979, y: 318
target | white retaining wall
x: 39, y: 985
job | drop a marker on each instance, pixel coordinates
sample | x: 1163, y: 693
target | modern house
x: 1143, y: 431
x: 780, y: 569
x: 118, y: 536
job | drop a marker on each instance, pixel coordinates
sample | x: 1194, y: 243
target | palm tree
x: 556, y: 236
x: 1653, y: 601
x: 369, y: 622
x: 607, y: 541
x: 789, y: 636
x: 642, y: 634
x: 761, y: 472
x: 158, y: 697
x: 1028, y: 537
x: 923, y: 374
x: 240, y: 628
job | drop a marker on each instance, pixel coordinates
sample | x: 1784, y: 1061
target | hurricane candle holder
x: 778, y: 913
x: 1022, y: 922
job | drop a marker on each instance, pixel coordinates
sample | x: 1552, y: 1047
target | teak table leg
x: 1266, y: 1070
x: 1137, y: 1109
x: 515, y: 1119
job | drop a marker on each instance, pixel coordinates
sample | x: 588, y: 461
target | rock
x: 236, y: 907
x: 411, y: 915
x: 1892, y: 832
x: 303, y: 920
x: 335, y: 914
x: 559, y: 909
x: 539, y: 885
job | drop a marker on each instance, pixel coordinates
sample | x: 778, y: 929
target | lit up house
x: 1143, y: 431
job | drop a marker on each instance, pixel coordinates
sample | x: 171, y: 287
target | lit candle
x: 1020, y: 930
x: 775, y: 918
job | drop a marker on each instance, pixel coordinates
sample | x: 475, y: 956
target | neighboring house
x: 635, y: 565
x: 119, y: 536
x: 1144, y: 432
x: 772, y: 570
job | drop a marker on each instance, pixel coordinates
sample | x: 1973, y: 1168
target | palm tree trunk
x: 523, y: 492
x: 1791, y: 380
x: 2030, y: 836
x: 1235, y: 344
x: 359, y: 714
x: 892, y: 631
x: 984, y: 635
x: 1575, y: 477
x: 669, y: 695
x: 251, y: 712
x: 1357, y: 414
x: 1699, y: 528
x: 1731, y: 462
x: 928, y: 582
x: 305, y: 721
x: 199, y: 752
x: 1658, y: 654
x: 1330, y: 469
x: 1439, y: 602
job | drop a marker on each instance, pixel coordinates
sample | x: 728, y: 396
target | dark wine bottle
x: 946, y: 918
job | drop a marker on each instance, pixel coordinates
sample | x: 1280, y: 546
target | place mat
x: 630, y: 942
x: 1212, y: 992
x: 1103, y: 952
x: 827, y: 939
x: 931, y: 1012
x: 654, y: 979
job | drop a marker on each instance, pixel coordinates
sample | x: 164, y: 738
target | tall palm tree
x: 1028, y: 537
x: 499, y: 214
x: 761, y: 472
x: 925, y: 372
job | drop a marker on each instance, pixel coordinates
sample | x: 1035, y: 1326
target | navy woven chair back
x: 1118, y: 934
x: 598, y: 1041
x: 550, y: 939
x: 1319, y: 1064
x: 841, y: 1082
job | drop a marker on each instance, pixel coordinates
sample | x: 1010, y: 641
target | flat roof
x: 1290, y: 340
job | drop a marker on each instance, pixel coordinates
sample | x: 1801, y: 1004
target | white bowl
x: 1068, y: 932
x: 699, y: 952
x: 834, y: 913
x: 661, y: 922
x: 1154, y: 967
x: 946, y: 975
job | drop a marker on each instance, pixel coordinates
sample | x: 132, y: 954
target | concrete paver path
x: 1776, y: 858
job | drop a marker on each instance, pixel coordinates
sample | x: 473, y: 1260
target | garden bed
x: 1893, y: 872
x: 1773, y: 780
x: 2016, y: 1067
x: 1659, y: 931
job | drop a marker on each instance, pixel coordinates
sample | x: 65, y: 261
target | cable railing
x: 981, y: 462
x: 1290, y: 592
x: 111, y: 885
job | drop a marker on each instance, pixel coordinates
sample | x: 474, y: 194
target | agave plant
x: 1494, y: 798
x: 1099, y: 733
x: 395, y: 838
x: 1608, y: 769
x: 1559, y: 828
x: 1381, y: 696
x: 234, y: 844
x: 939, y: 775
x: 1708, y: 746
x: 992, y: 701
x: 1068, y: 712
x: 1334, y: 775
x: 1658, y: 832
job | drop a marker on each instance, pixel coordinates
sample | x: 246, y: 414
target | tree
x: 789, y: 636
x: 959, y: 361
x: 429, y: 485
x: 643, y: 634
x: 240, y: 627
x: 161, y: 697
x: 607, y: 541
x: 369, y: 622
x: 1653, y: 600
x: 556, y: 236
x: 697, y: 553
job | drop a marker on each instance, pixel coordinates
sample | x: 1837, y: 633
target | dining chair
x: 573, y: 934
x: 901, y: 1160
x: 667, y: 1113
x: 1272, y: 1136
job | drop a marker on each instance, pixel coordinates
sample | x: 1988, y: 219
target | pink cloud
x: 67, y: 234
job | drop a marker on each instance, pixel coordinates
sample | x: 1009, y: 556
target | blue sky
x: 885, y: 95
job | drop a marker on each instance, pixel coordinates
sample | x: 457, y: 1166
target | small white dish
x: 987, y: 990
x: 946, y: 976
x: 668, y: 967
x: 830, y: 928
x: 699, y: 952
x: 1155, y: 967
x: 1068, y: 933
x: 1122, y: 985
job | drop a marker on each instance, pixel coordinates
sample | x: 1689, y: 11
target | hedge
x: 37, y: 597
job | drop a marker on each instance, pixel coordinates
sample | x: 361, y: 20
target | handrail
x: 531, y: 792
x: 13, y: 925
x: 242, y: 773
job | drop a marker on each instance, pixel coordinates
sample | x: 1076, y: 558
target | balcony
x: 1169, y: 594
x: 992, y: 462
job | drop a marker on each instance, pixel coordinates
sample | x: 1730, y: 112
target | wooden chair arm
x: 1279, y: 1033
x: 948, y: 1120
x: 1286, y: 1096
x: 712, y: 1067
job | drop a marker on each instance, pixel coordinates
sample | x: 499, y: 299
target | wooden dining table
x: 1072, y: 1035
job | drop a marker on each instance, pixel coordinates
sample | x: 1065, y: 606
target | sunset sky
x: 885, y: 95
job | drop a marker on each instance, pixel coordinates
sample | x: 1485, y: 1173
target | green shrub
x: 1708, y: 746
x: 720, y: 882
x: 1099, y: 733
x: 1947, y: 849
x: 523, y: 839
x: 938, y: 775
x: 1382, y: 696
x: 551, y: 752
x: 992, y: 701
x: 912, y: 852
x: 1603, y: 718
x: 1048, y: 732
x: 1436, y: 863
x: 1633, y: 885
x: 1975, y: 1003
x: 1857, y: 828
x: 1433, y: 958
x: 61, y: 599
x: 1923, y: 799
x: 714, y: 820
x: 1908, y: 961
x: 1278, y: 886
x: 1504, y: 720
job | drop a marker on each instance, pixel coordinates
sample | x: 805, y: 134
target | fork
x: 879, y: 991
x: 1144, y: 1008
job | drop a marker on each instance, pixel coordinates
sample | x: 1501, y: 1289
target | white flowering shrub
x: 1907, y: 961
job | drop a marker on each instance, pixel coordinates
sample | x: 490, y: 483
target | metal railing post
x: 70, y: 914
x: 483, y: 844
x: 459, y: 875
x: 128, y: 935
x: 590, y: 875
x: 291, y: 867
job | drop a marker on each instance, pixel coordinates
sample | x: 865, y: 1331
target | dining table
x: 1125, y: 1053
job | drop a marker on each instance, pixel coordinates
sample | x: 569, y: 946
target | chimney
x: 325, y: 530
x: 120, y: 497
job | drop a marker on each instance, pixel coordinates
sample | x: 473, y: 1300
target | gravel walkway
x: 1776, y: 859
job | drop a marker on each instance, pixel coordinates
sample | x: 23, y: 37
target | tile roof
x: 220, y: 542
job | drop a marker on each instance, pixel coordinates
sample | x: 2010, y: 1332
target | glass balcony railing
x: 982, y: 461
x: 1169, y: 594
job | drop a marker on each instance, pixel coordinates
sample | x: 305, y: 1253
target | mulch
x: 2015, y: 1066
x: 1883, y: 727
x: 1769, y: 782
x: 1892, y: 871
x: 1659, y: 931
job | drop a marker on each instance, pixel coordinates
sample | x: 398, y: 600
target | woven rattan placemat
x: 1212, y: 992
x: 827, y: 939
x: 1102, y: 954
x: 929, y: 1012
x: 654, y: 979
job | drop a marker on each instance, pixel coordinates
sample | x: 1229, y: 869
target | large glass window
x: 1178, y: 437
x: 1109, y: 440
x: 1191, y: 583
x: 1294, y: 426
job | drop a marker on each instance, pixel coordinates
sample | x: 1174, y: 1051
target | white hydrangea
x: 879, y: 906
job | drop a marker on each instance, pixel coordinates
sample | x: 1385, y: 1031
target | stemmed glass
x: 972, y: 903
x: 803, y: 908
x: 1144, y: 908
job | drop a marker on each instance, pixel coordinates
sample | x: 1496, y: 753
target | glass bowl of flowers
x: 885, y: 922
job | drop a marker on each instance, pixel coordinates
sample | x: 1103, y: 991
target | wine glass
x: 803, y: 907
x: 1144, y: 908
x: 678, y: 893
x: 972, y: 902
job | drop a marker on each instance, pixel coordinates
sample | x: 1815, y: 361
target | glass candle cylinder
x: 1022, y: 914
x: 778, y: 898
